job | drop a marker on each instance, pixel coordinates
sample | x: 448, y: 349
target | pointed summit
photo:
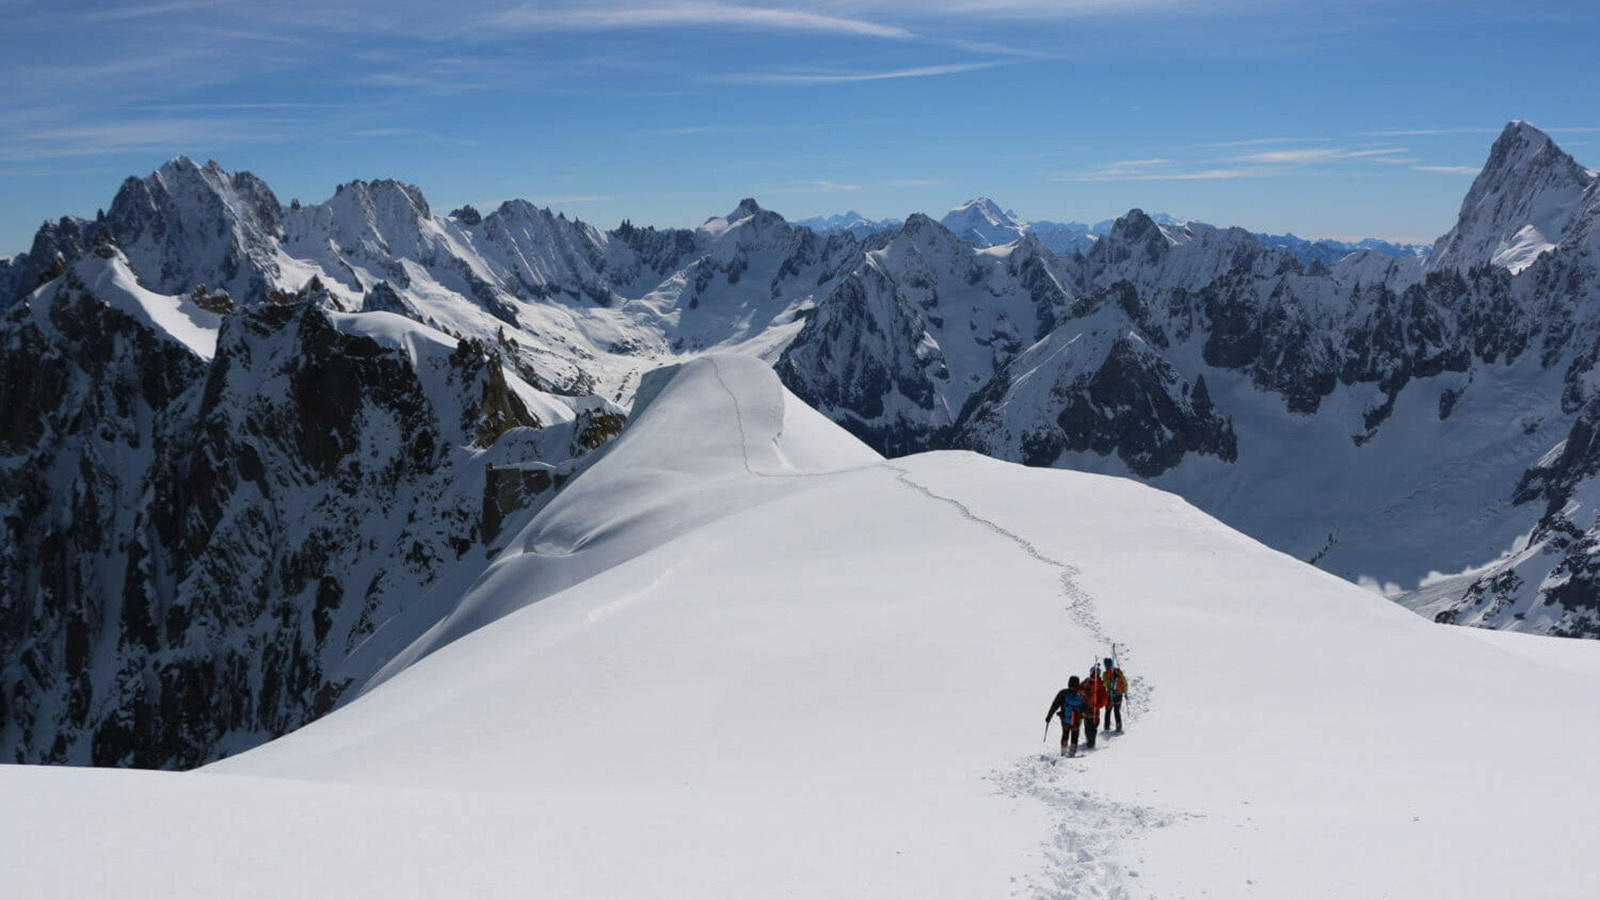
x: 982, y: 223
x: 747, y: 207
x: 1522, y: 204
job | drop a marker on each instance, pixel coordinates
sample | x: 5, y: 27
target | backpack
x: 1094, y: 694
x: 1119, y: 682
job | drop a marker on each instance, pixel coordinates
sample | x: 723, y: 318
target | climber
x: 1117, y: 687
x: 1094, y: 700
x: 1069, y: 703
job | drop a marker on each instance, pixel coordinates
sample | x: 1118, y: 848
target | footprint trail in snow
x: 1081, y: 853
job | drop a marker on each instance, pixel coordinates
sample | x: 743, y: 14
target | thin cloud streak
x: 849, y: 77
x: 1449, y: 170
x: 679, y: 15
x: 1315, y: 155
x: 1428, y: 132
x: 811, y: 186
x: 1203, y: 175
x: 1425, y: 132
x: 1261, y: 142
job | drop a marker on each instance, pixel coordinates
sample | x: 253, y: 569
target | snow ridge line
x: 744, y: 436
x: 1080, y: 606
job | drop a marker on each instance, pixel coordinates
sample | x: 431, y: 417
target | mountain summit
x: 1528, y: 198
x: 982, y: 223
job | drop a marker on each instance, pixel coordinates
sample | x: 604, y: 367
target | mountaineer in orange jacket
x: 1095, y: 699
x: 1117, y: 686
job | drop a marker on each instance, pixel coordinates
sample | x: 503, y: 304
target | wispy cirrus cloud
x: 1428, y: 132
x: 1316, y: 155
x: 1431, y: 132
x: 533, y: 17
x: 849, y: 77
x: 147, y: 11
x: 1164, y: 174
x: 1260, y: 142
x: 763, y: 127
x: 1449, y: 170
x: 810, y: 186
x: 112, y: 137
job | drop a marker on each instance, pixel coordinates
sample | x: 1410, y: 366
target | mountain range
x: 982, y: 223
x: 254, y: 455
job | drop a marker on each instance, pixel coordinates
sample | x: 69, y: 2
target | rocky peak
x: 747, y: 207
x: 1524, y: 202
x: 931, y: 238
x: 982, y: 223
x: 185, y: 224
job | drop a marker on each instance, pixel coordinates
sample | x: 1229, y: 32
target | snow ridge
x: 1088, y: 828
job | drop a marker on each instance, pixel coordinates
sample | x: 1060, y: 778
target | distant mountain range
x: 982, y: 223
x: 252, y: 451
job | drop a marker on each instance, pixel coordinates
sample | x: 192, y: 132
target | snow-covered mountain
x: 1354, y: 414
x: 741, y: 655
x: 215, y: 514
x: 1529, y: 199
x: 338, y: 411
x: 981, y: 223
x: 1329, y: 251
x: 852, y: 221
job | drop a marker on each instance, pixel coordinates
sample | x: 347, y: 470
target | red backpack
x: 1094, y: 694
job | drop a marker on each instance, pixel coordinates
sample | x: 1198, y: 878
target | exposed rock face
x: 1131, y: 403
x: 188, y: 224
x: 197, y: 549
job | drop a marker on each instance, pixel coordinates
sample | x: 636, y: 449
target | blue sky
x: 1327, y: 119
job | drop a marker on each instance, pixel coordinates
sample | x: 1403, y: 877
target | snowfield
x: 741, y: 655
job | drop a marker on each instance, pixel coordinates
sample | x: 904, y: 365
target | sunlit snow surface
x: 765, y: 662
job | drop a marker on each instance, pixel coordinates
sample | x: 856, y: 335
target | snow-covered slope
x: 826, y: 677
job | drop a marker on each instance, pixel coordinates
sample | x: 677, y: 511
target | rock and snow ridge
x: 1254, y: 383
x: 1529, y: 199
x: 981, y: 223
x: 758, y: 659
x: 853, y: 222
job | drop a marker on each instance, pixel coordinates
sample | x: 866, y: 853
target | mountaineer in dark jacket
x: 1069, y: 703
